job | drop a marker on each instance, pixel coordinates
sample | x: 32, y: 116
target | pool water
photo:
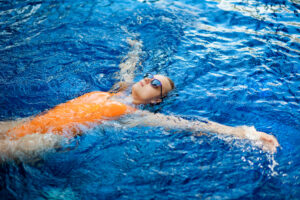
x: 234, y: 62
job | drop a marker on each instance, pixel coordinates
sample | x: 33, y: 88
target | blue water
x: 233, y: 62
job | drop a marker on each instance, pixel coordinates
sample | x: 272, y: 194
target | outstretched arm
x: 127, y: 68
x: 269, y: 142
x: 28, y: 147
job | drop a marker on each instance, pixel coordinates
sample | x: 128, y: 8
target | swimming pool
x: 234, y: 62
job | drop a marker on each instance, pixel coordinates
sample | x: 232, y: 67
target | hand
x: 123, y: 86
x: 269, y: 142
x: 133, y: 42
x: 119, y: 87
x: 200, y: 134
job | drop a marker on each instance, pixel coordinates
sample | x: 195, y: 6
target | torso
x: 72, y: 117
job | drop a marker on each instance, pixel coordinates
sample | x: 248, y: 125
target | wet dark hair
x: 171, y: 83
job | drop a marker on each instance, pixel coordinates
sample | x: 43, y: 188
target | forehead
x: 164, y: 81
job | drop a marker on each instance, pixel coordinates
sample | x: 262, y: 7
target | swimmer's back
x: 69, y: 118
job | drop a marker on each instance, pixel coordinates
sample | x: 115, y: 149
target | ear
x: 155, y: 101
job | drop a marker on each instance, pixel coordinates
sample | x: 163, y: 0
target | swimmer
x: 72, y: 118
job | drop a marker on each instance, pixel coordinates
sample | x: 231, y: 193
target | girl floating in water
x: 73, y: 117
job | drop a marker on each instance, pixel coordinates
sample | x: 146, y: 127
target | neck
x: 134, y: 101
x: 129, y: 99
x: 139, y: 102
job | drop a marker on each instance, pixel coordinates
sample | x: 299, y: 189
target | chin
x: 134, y: 92
x: 136, y: 97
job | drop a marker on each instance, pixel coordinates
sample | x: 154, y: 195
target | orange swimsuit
x: 68, y: 118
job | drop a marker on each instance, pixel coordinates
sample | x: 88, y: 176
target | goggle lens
x: 149, y: 76
x: 155, y: 83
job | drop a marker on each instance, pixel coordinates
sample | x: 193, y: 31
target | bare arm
x: 28, y: 147
x: 268, y: 142
x: 6, y: 125
x: 127, y: 68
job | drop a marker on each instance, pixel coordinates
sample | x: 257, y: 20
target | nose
x: 147, y: 80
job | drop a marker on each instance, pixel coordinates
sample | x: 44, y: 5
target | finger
x: 269, y: 148
x: 200, y: 134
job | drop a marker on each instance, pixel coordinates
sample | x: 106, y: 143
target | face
x: 144, y: 92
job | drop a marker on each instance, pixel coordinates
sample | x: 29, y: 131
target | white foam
x: 251, y: 132
x: 29, y: 146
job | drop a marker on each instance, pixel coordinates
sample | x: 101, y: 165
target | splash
x: 29, y: 147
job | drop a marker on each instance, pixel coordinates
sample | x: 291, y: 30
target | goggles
x: 155, y: 83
